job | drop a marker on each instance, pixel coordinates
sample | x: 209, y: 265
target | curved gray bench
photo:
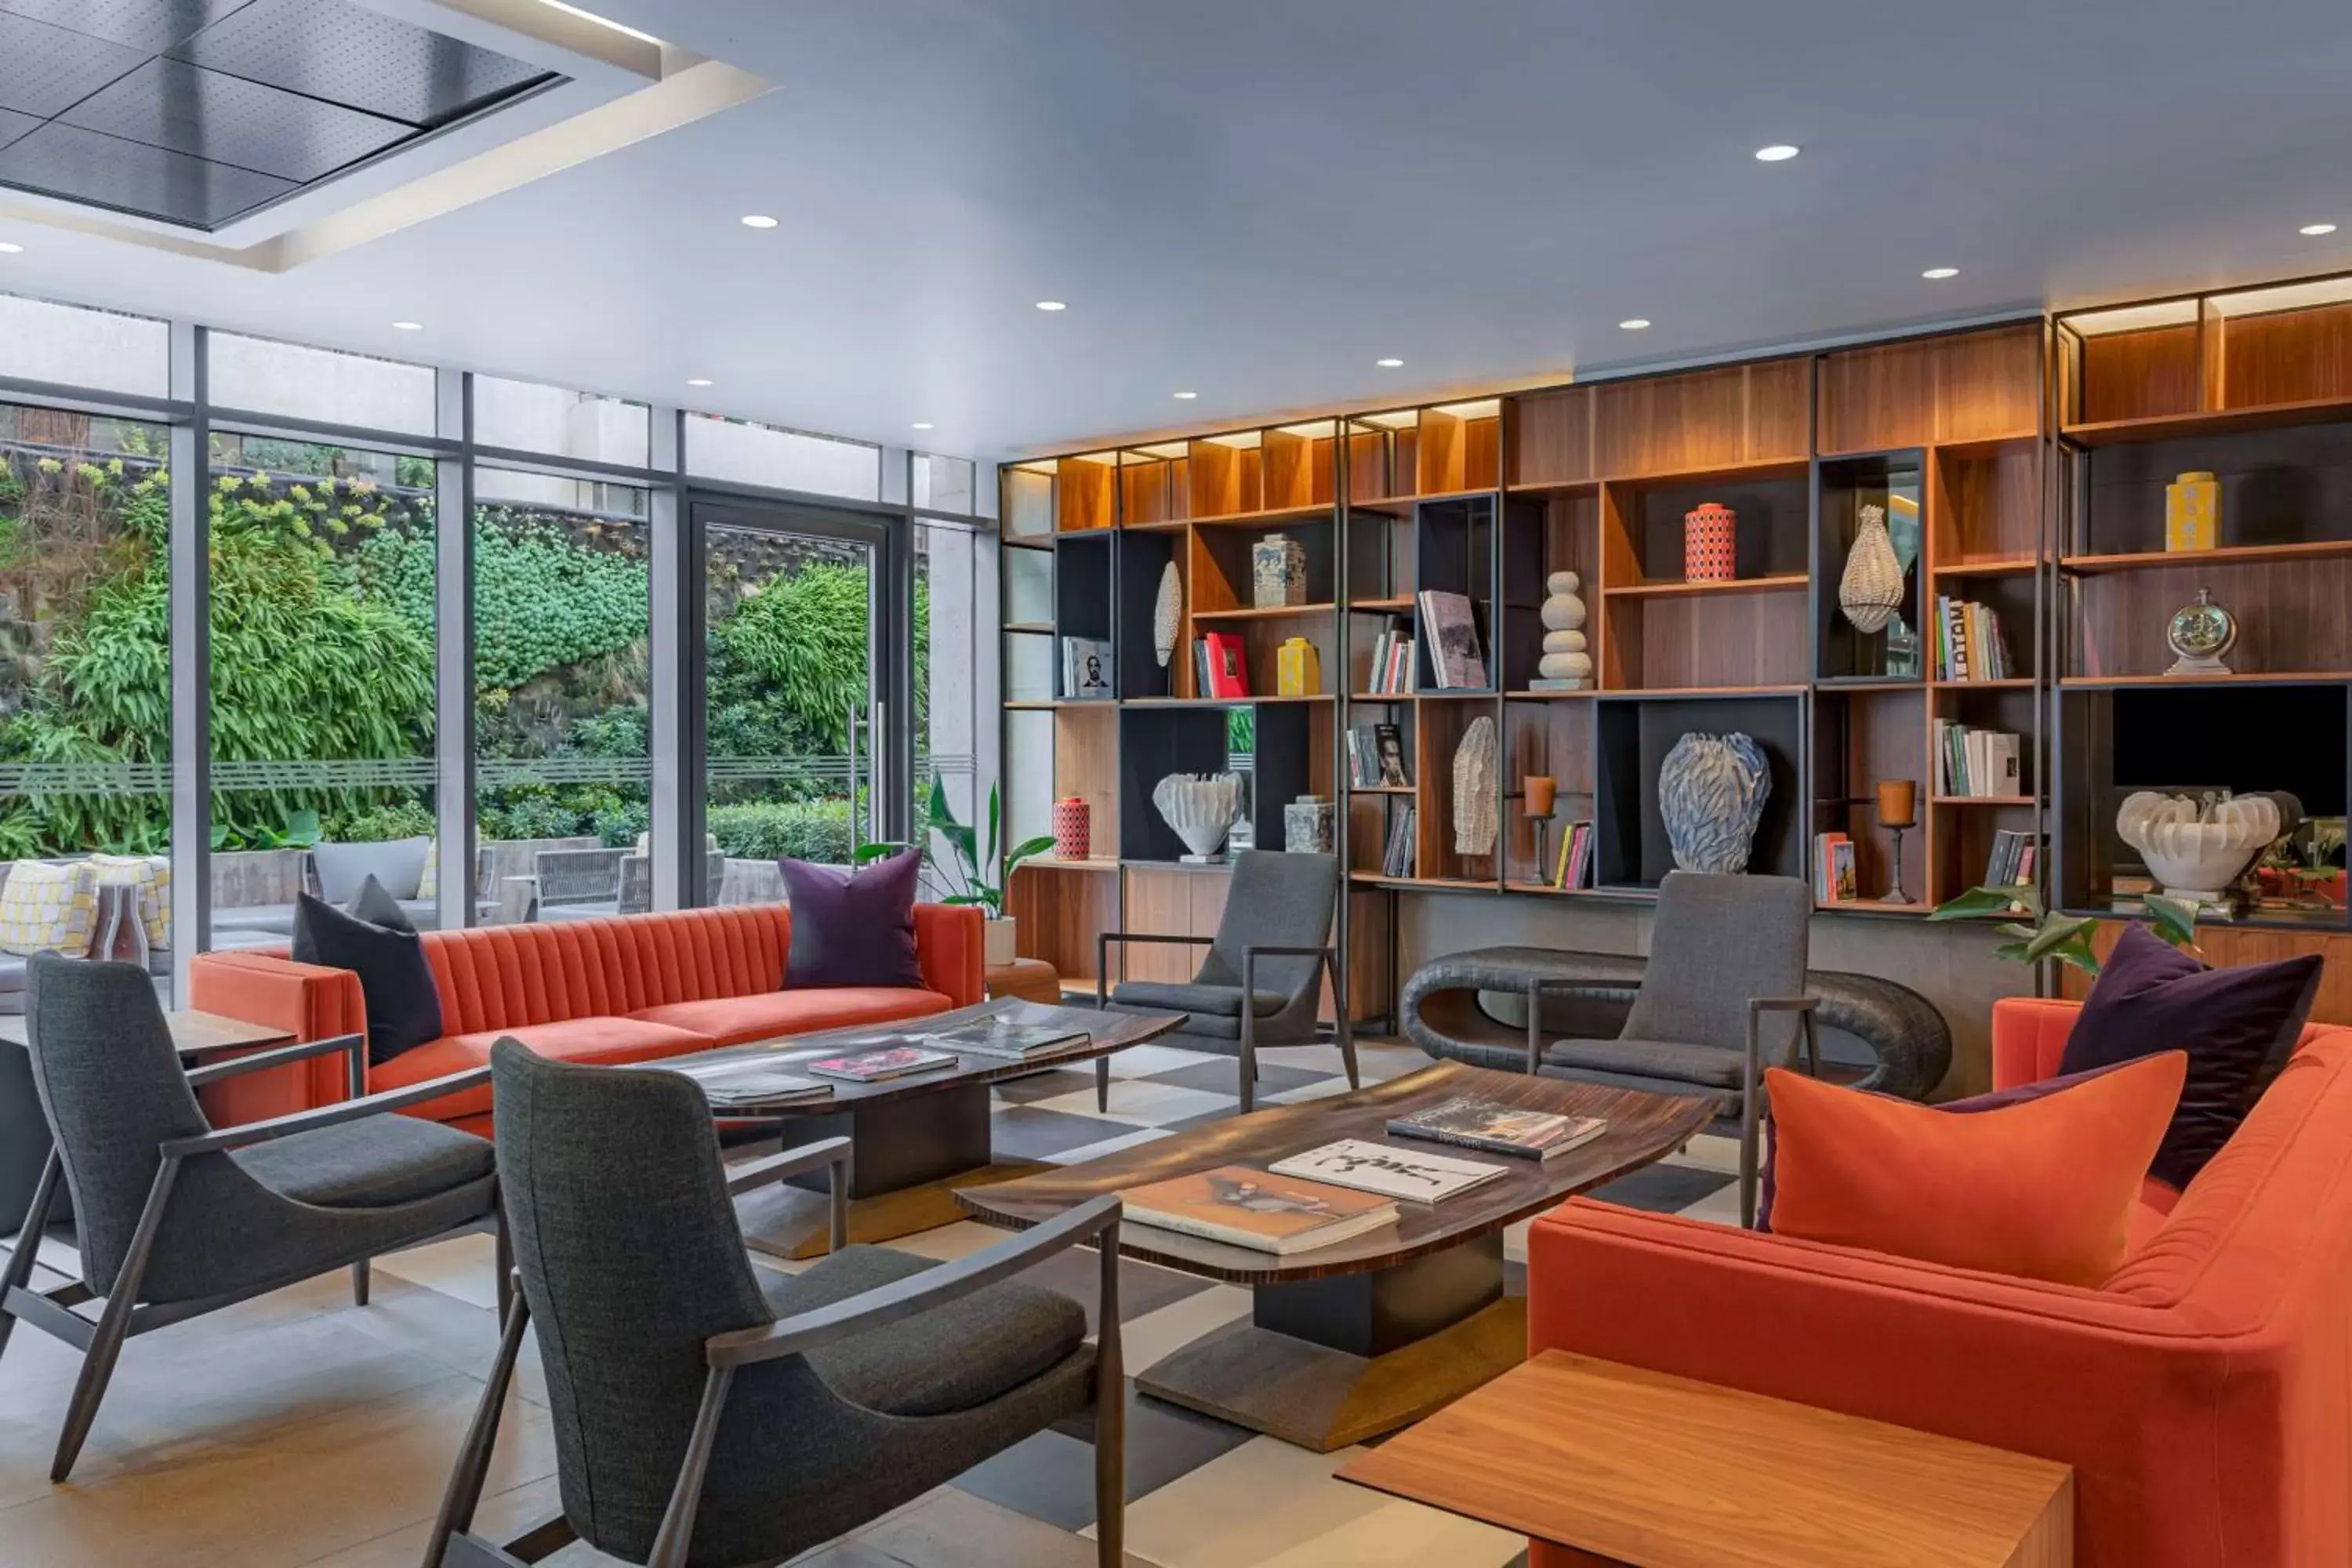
x: 1908, y: 1042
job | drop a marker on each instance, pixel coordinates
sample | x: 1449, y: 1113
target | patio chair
x: 580, y: 881
x: 176, y: 1219
x: 1272, y: 946
x: 705, y: 1413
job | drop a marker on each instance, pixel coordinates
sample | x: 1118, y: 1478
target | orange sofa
x: 627, y: 989
x: 2204, y: 1394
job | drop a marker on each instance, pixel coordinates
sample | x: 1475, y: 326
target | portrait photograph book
x: 1387, y: 1170
x: 1257, y: 1209
x: 1499, y: 1128
x: 749, y: 1080
x: 872, y: 1066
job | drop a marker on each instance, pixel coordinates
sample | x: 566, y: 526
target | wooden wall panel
x: 2291, y: 616
x: 1086, y: 764
x: 1143, y: 493
x: 2226, y: 946
x: 1989, y: 385
x: 1060, y: 913
x: 1664, y: 424
x: 1171, y: 900
x: 1551, y: 437
x: 1985, y: 507
x: 1705, y: 640
x: 1969, y: 387
x: 2286, y: 356
x: 1085, y: 494
x: 1779, y: 414
x: 2132, y: 375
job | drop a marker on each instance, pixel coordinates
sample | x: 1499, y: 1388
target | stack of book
x: 874, y: 1066
x: 1387, y: 1170
x: 1969, y: 642
x: 1499, y: 1127
x: 1451, y: 622
x: 1396, y: 860
x: 1220, y: 665
x: 1376, y: 756
x: 1833, y: 879
x: 1574, y: 865
x: 1971, y: 762
x: 1391, y: 669
x: 1256, y: 1209
x: 734, y: 1082
x: 2011, y: 861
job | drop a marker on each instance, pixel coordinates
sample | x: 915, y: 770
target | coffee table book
x: 1000, y: 1037
x: 873, y: 1066
x: 1257, y: 1209
x: 742, y: 1083
x: 1387, y: 1170
x: 1499, y: 1129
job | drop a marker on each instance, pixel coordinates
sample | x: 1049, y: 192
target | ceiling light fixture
x: 408, y: 326
x: 922, y: 424
x: 1634, y: 324
x: 601, y: 21
x: 1185, y: 397
x: 697, y: 381
x: 1938, y: 274
x: 10, y: 247
x: 1779, y: 152
x: 1390, y: 363
x: 2315, y: 229
x: 1051, y: 305
x: 758, y: 220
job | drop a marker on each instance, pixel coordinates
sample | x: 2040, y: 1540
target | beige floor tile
x: 1158, y: 1334
x: 1720, y: 1208
x: 1143, y: 1061
x: 1708, y: 1153
x: 501, y: 1516
x: 1141, y: 1102
x: 950, y: 1242
x: 1403, y: 1535
x: 952, y: 1529
x: 464, y: 1266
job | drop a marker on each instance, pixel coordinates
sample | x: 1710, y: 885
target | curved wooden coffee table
x: 1372, y: 1333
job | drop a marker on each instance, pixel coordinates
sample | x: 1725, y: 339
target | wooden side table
x: 1617, y: 1465
x: 1031, y: 979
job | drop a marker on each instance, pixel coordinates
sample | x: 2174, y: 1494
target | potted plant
x: 976, y: 862
x: 2035, y: 933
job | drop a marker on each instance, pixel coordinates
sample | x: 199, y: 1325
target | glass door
x: 804, y: 713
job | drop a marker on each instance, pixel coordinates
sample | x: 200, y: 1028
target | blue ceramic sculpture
x: 1711, y: 792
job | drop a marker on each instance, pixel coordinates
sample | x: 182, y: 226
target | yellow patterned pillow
x: 48, y: 909
x: 151, y: 875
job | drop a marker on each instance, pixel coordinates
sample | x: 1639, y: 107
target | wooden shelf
x: 1048, y: 863
x: 1397, y: 606
x: 1681, y: 692
x: 1104, y: 532
x: 1267, y: 519
x: 1555, y: 488
x: 1206, y: 701
x: 1581, y: 692
x: 1383, y: 789
x: 1874, y: 907
x: 1793, y: 581
x: 1164, y: 525
x: 2235, y: 677
x: 2227, y: 556
x: 2208, y: 422
x: 1546, y: 889
x: 1443, y: 884
x: 1996, y: 567
x: 1382, y: 696
x: 1980, y: 800
x: 1458, y: 694
x: 1392, y: 504
x: 1767, y: 468
x: 1044, y: 628
x: 1263, y: 613
x: 1989, y: 446
x: 2007, y: 683
x: 1865, y: 684
x: 1045, y: 705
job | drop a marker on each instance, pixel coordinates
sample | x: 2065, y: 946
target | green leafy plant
x: 2036, y: 933
x: 770, y: 830
x: 976, y: 862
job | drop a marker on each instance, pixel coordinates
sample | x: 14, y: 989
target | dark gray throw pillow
x: 404, y: 1010
x: 853, y: 927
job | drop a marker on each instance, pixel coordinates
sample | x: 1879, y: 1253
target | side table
x: 1031, y: 979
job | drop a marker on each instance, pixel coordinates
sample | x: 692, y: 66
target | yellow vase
x: 2192, y: 512
x: 1298, y: 668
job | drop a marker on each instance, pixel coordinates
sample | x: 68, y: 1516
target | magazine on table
x: 753, y: 1080
x: 1499, y: 1128
x: 872, y: 1066
x: 1257, y: 1209
x: 1385, y: 1169
x: 1001, y: 1036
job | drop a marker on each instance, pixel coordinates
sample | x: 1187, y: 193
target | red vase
x: 1073, y: 828
x: 1709, y: 535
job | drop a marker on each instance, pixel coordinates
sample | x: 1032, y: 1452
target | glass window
x: 562, y: 670
x: 265, y: 376
x: 750, y: 454
x: 524, y: 416
x: 75, y: 346
x: 84, y: 651
x: 940, y: 484
x: 945, y: 636
x: 322, y: 677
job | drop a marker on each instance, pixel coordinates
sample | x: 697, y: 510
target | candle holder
x: 1539, y: 794
x: 1898, y: 809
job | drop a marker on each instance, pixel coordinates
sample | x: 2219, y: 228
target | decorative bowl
x: 2197, y: 851
x: 1201, y: 807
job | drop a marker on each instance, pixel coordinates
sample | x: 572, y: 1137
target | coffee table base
x: 1327, y: 1362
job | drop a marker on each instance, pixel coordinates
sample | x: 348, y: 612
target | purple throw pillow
x: 2238, y: 1026
x: 853, y: 927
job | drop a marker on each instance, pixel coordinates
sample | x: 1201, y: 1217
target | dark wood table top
x: 1106, y: 1033
x: 1642, y: 1127
x: 193, y: 1032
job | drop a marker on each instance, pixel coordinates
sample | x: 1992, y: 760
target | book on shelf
x: 1256, y: 1209
x: 873, y: 1066
x: 1833, y: 874
x: 2012, y: 859
x: 1450, y: 622
x: 1498, y: 1127
x: 1390, y: 669
x: 1224, y: 664
x: 1086, y: 669
x: 1572, y: 866
x: 754, y: 1081
x: 1978, y: 763
x: 1376, y: 756
x: 1970, y: 644
x: 1396, y: 860
x: 1387, y: 1170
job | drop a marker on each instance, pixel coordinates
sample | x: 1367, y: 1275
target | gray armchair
x: 176, y: 1219
x: 705, y: 1415
x: 1723, y: 996
x: 1256, y: 985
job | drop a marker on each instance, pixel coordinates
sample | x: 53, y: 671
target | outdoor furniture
x: 637, y: 880
x: 703, y: 1413
x: 175, y: 1219
x: 570, y: 883
x: 1721, y: 997
x: 1273, y: 943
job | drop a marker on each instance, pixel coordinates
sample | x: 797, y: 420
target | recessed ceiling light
x: 697, y: 381
x: 922, y: 424
x: 1634, y: 324
x: 10, y: 247
x: 408, y: 326
x: 1051, y: 305
x: 1779, y: 152
x: 1938, y: 274
x: 758, y: 220
x: 2316, y: 229
x: 1390, y: 363
x: 1186, y: 396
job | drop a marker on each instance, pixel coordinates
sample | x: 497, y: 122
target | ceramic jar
x: 1710, y: 534
x: 1309, y: 825
x: 2193, y: 511
x: 1073, y: 828
x: 1278, y: 572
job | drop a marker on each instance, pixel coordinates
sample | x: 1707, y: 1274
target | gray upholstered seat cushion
x: 956, y: 1357
x: 1224, y: 1001
x: 1710, y: 1066
x: 375, y: 1162
x: 397, y: 863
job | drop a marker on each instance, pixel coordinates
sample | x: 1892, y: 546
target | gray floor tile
x: 1051, y: 1477
x: 1044, y: 1085
x: 1028, y: 1132
x: 1663, y: 1189
x: 1223, y: 1077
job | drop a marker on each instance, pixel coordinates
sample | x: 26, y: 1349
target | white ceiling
x: 1255, y: 199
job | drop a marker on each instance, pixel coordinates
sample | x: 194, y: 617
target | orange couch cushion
x: 738, y: 1020
x: 2043, y: 1190
x: 604, y: 1042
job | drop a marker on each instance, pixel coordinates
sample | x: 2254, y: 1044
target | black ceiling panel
x: 12, y: 125
x: 46, y: 70
x: 228, y: 120
x: 345, y: 54
x: 148, y: 26
x: 66, y: 161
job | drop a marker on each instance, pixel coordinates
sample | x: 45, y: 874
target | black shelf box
x: 1635, y: 734
x: 1156, y: 742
